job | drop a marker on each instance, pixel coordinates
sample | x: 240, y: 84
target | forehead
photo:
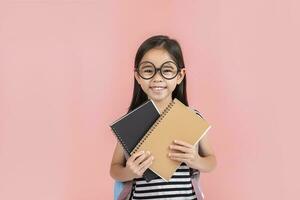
x: 157, y: 56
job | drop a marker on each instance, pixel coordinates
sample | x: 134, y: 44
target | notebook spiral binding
x: 120, y: 139
x: 167, y: 109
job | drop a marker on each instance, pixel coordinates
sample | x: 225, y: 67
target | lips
x: 158, y: 88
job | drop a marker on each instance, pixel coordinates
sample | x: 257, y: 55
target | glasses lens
x: 146, y: 70
x: 169, y: 70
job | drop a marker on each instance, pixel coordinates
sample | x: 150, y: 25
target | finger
x: 141, y: 158
x: 147, y: 161
x: 144, y: 168
x: 181, y: 155
x: 136, y: 154
x: 138, y: 160
x: 183, y: 143
x: 180, y: 159
x: 181, y: 148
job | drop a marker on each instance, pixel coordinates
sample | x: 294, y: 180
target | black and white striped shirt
x: 178, y: 188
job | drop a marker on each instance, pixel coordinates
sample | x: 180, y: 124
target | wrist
x: 130, y: 173
x: 198, y: 162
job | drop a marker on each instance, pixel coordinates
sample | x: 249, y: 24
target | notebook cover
x: 130, y: 129
x: 179, y: 122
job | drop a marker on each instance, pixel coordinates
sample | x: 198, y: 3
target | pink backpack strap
x: 198, y: 192
x: 126, y: 190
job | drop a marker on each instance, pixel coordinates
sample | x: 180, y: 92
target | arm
x: 118, y: 170
x: 205, y: 152
x: 200, y: 157
x: 207, y: 160
x: 134, y: 167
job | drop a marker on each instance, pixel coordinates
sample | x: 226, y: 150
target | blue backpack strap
x: 118, y: 187
x: 125, y: 192
x: 122, y: 189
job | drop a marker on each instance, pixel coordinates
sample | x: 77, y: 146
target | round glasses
x: 147, y: 70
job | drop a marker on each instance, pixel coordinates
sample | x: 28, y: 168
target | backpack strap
x: 195, y: 174
x: 127, y: 186
x: 125, y: 191
x: 197, y: 188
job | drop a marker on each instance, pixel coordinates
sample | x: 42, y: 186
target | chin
x: 158, y: 98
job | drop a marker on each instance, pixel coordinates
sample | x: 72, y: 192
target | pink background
x: 66, y: 74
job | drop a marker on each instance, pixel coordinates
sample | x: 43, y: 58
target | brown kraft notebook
x: 177, y: 122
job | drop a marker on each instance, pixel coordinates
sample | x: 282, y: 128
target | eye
x: 167, y: 70
x: 148, y: 70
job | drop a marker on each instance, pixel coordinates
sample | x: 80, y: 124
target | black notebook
x: 131, y: 128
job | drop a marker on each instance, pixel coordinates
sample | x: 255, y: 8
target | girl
x: 159, y: 74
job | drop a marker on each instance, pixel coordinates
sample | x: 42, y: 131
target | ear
x: 137, y: 77
x: 181, y: 75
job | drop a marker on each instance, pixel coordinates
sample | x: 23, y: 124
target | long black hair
x: 174, y: 49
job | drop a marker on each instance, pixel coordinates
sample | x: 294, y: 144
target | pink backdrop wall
x: 66, y: 73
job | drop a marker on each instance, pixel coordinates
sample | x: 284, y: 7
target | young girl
x: 159, y: 74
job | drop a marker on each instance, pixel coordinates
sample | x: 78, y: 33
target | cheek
x: 172, y: 86
x: 145, y: 89
x: 145, y: 85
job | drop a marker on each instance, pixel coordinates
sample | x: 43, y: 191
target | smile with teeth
x: 157, y: 88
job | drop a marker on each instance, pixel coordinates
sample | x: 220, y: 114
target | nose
x: 157, y: 76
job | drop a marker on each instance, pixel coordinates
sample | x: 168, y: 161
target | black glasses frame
x: 156, y: 70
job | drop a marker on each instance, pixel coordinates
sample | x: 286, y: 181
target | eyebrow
x: 167, y: 66
x: 162, y: 63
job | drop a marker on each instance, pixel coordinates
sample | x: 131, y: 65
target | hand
x: 186, y: 153
x: 138, y: 162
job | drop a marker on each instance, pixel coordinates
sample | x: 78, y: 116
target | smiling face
x: 158, y: 88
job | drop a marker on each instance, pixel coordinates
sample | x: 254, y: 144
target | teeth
x: 157, y: 88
